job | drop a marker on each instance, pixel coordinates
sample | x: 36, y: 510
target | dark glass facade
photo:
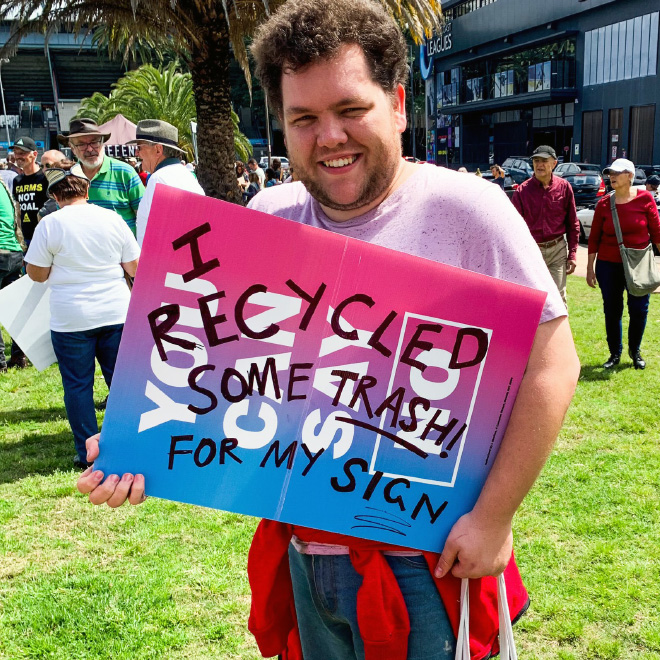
x: 579, y: 76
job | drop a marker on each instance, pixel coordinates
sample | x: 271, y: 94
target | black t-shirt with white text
x: 30, y: 192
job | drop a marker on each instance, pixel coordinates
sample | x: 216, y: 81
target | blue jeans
x: 75, y: 352
x: 612, y: 282
x: 325, y: 592
x: 11, y: 264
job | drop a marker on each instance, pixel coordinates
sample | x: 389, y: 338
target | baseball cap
x: 653, y: 180
x: 25, y: 144
x: 544, y: 151
x: 620, y: 165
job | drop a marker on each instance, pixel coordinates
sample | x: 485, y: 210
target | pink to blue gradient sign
x: 283, y: 371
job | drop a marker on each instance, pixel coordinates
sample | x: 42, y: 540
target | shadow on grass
x: 52, y: 414
x: 596, y: 372
x: 36, y: 454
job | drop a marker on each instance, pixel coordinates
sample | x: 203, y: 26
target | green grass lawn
x: 166, y: 580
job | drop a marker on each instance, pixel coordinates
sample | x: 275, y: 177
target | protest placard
x: 282, y: 371
x: 25, y: 313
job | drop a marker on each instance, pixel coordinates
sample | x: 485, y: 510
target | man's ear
x: 400, y: 118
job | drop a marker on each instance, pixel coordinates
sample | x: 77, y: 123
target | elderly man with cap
x: 113, y: 184
x: 547, y: 205
x: 29, y: 187
x: 157, y: 145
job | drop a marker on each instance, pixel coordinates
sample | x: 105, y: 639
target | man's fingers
x: 104, y: 491
x: 137, y: 496
x: 89, y: 480
x: 121, y: 491
x: 446, y: 561
x: 92, y: 445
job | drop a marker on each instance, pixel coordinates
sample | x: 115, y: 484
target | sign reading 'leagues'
x: 287, y: 372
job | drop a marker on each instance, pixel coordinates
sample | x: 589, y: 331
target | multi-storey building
x: 509, y: 75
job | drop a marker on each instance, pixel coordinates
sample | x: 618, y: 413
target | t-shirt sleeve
x: 40, y: 252
x: 499, y: 244
x: 130, y: 250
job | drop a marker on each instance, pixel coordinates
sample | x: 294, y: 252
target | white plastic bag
x: 507, y: 645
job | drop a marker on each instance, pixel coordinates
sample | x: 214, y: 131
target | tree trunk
x: 209, y: 67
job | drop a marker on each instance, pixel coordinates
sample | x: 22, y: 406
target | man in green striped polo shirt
x: 114, y: 184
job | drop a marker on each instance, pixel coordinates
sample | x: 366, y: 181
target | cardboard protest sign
x: 25, y: 312
x: 287, y: 372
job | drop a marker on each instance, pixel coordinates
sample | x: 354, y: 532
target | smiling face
x: 25, y: 160
x: 343, y: 133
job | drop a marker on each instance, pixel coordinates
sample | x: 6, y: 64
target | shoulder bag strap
x: 615, y: 220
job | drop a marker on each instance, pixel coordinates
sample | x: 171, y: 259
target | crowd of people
x: 338, y: 88
x: 79, y: 225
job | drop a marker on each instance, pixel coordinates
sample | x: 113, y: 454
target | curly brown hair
x: 303, y: 31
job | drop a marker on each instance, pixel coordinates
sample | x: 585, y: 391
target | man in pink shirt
x: 547, y: 205
x: 336, y: 75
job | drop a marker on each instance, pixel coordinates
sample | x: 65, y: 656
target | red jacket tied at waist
x: 382, y: 614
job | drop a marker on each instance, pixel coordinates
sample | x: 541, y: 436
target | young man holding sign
x: 336, y: 74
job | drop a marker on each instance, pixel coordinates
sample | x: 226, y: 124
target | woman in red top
x: 638, y: 217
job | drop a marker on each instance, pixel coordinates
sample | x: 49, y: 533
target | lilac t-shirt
x: 450, y: 217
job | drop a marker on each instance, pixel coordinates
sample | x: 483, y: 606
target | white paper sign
x: 25, y: 313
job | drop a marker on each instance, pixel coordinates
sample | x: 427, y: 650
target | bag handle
x: 615, y: 220
x: 507, y: 645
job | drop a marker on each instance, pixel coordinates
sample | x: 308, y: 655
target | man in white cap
x: 157, y: 145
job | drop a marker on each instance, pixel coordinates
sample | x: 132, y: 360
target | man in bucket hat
x: 114, y: 184
x: 157, y: 145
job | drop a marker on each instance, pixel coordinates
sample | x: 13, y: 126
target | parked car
x: 650, y: 169
x: 585, y: 216
x: 412, y: 159
x: 586, y: 181
x: 519, y: 168
x: 509, y: 184
x: 263, y: 163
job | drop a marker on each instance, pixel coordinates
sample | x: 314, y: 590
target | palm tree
x: 205, y: 32
x: 151, y: 93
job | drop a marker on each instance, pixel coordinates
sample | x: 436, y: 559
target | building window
x: 592, y: 135
x: 557, y: 114
x: 642, y: 119
x: 503, y: 83
x: 466, y: 7
x: 539, y: 76
x: 622, y: 51
x: 447, y: 88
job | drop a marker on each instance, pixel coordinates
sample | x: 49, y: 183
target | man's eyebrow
x: 301, y: 110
